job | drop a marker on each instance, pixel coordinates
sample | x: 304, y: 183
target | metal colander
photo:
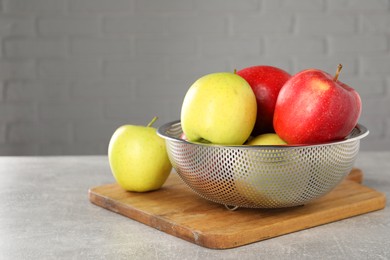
x: 261, y: 176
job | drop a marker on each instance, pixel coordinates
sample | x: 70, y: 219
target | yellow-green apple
x: 273, y: 183
x: 314, y: 107
x: 266, y: 82
x: 138, y: 158
x: 258, y: 185
x: 267, y: 139
x: 219, y: 108
x: 270, y: 181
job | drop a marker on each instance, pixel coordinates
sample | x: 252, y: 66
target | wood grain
x: 178, y: 211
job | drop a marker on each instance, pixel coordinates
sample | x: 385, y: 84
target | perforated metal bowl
x: 261, y: 176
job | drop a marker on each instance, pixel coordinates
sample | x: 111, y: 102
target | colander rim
x: 162, y: 131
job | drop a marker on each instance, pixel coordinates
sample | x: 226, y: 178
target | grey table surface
x: 45, y: 214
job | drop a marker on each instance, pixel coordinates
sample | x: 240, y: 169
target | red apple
x: 266, y: 82
x: 314, y: 107
x: 183, y: 136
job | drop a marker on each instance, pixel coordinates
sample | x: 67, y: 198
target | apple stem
x: 336, y: 76
x: 235, y: 71
x: 152, y: 122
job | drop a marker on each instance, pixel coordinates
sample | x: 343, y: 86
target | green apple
x: 138, y: 158
x: 267, y: 139
x: 219, y: 108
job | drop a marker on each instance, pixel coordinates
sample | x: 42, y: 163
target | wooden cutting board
x: 177, y: 210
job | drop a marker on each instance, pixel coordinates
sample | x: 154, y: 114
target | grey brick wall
x: 72, y: 71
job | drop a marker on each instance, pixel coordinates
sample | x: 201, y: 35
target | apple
x: 266, y: 82
x: 183, y: 136
x: 219, y: 108
x: 263, y: 186
x: 314, y: 107
x: 272, y: 182
x: 267, y: 139
x: 138, y: 158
